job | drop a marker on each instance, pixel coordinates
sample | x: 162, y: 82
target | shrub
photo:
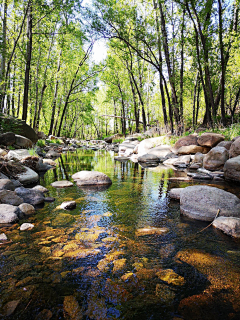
x: 41, y: 143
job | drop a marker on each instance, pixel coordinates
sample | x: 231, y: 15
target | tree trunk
x: 28, y: 63
x: 3, y: 52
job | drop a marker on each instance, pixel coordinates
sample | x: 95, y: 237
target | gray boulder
x: 6, y: 184
x: 160, y: 151
x: 40, y: 188
x: 234, y: 150
x: 27, y: 209
x: 7, y: 139
x: 186, y: 141
x: 149, y: 158
x: 209, y: 139
x: 215, y: 158
x: 87, y: 178
x: 27, y: 177
x: 8, y: 213
x: 52, y: 154
x: 225, y: 144
x: 203, y: 202
x: 10, y: 197
x: 229, y: 225
x: 23, y: 142
x: 146, y: 145
x: 198, y: 158
x: 175, y: 193
x: 26, y: 226
x: 30, y: 196
x: 192, y: 149
x: 231, y: 169
x: 18, y: 154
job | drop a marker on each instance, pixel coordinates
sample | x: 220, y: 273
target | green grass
x: 118, y: 140
x: 41, y: 143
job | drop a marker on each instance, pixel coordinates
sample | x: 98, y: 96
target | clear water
x: 91, y: 262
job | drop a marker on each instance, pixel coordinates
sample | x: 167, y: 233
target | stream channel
x: 91, y: 263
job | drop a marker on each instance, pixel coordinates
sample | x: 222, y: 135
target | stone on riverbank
x: 149, y: 159
x: 150, y: 231
x: 215, y: 158
x: 68, y: 205
x: 18, y: 154
x: 147, y: 144
x: 10, y: 197
x: 27, y: 177
x: 208, y: 139
x: 27, y: 208
x: 229, y: 225
x: 30, y: 196
x: 6, y: 184
x: 192, y: 149
x: 40, y: 188
x: 232, y: 169
x: 62, y: 184
x: 3, y: 237
x: 26, y: 226
x: 23, y: 142
x: 86, y: 178
x: 186, y: 141
x: 234, y: 150
x: 175, y: 193
x: 203, y: 203
x: 7, y: 138
x: 8, y: 213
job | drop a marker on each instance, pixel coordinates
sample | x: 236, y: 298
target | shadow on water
x: 91, y: 262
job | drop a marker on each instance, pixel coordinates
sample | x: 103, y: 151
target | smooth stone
x: 49, y: 199
x: 149, y: 158
x: 209, y: 139
x: 192, y: 149
x: 160, y: 151
x: 40, y: 188
x: 225, y: 144
x: 231, y: 169
x: 119, y: 158
x: 175, y: 193
x: 6, y: 184
x: 234, y: 150
x: 229, y: 225
x: 68, y: 205
x: 8, y: 213
x: 52, y: 154
x: 18, y: 154
x: 3, y: 152
x: 203, y: 202
x: 26, y: 226
x: 148, y: 144
x: 30, y: 196
x: 23, y: 142
x: 62, y: 184
x: 186, y: 141
x: 3, y: 237
x: 84, y: 178
x: 49, y: 162
x: 10, y: 307
x: 27, y: 208
x: 10, y: 197
x: 27, y: 177
x: 7, y: 138
x: 198, y: 158
x: 215, y: 158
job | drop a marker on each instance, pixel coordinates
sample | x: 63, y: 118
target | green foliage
x: 32, y: 152
x: 41, y: 143
x: 11, y: 148
x: 8, y: 124
x: 120, y: 140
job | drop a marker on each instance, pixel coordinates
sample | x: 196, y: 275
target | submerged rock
x: 85, y: 178
x: 71, y: 308
x: 26, y: 226
x: 150, y: 231
x: 68, y: 205
x: 62, y: 184
x: 229, y: 225
x: 203, y: 203
x: 3, y: 237
x: 27, y: 208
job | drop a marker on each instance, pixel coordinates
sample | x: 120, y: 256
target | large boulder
x: 7, y: 139
x: 126, y: 148
x: 160, y: 151
x: 186, y: 141
x: 203, y: 202
x: 30, y: 196
x: 10, y: 197
x: 18, y: 154
x: 232, y: 169
x: 209, y: 139
x: 198, y: 158
x: 27, y: 177
x: 215, y: 158
x: 6, y: 184
x: 234, y: 150
x: 8, y: 213
x: 229, y: 225
x: 18, y: 127
x: 225, y: 144
x: 149, y: 159
x: 147, y: 144
x: 87, y: 178
x: 192, y: 149
x: 23, y: 142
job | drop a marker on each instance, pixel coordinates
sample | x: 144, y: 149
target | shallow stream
x: 93, y: 263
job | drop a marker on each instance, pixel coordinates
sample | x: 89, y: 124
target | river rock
x: 8, y: 213
x: 62, y: 184
x: 192, y: 149
x: 68, y: 205
x: 198, y: 158
x: 3, y: 237
x: 147, y: 144
x: 215, y: 158
x: 186, y: 141
x: 71, y: 309
x: 52, y: 154
x: 160, y: 151
x: 3, y: 152
x: 225, y: 144
x: 149, y: 158
x: 150, y: 231
x: 23, y: 142
x: 231, y: 169
x: 50, y: 162
x: 234, y: 150
x: 27, y: 177
x: 26, y: 226
x: 7, y: 138
x: 40, y: 188
x: 27, y: 208
x: 203, y: 202
x: 229, y: 225
x: 209, y: 139
x: 18, y: 154
x: 6, y: 184
x: 85, y: 178
x: 175, y: 193
x: 10, y: 197
x: 30, y: 196
x: 126, y: 148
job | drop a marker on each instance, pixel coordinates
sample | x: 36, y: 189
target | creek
x: 92, y: 263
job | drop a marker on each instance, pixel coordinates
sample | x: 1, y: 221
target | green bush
x: 41, y: 143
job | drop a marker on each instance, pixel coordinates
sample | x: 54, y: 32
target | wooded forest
x: 173, y: 64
